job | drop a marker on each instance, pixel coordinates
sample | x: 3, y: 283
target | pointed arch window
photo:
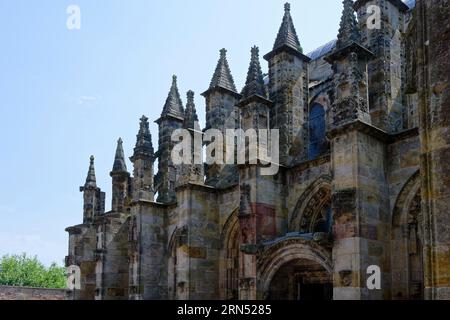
x: 317, y: 137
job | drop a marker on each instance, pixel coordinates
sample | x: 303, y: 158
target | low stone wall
x: 25, y: 293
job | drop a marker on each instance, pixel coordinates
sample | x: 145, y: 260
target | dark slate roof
x: 401, y: 4
x: 323, y: 50
x: 410, y: 3
x: 328, y: 47
x: 222, y: 77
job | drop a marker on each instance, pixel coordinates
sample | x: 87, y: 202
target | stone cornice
x: 221, y: 89
x: 154, y: 204
x: 373, y: 131
x: 359, y: 126
x: 196, y: 186
x: 254, y: 98
x: 288, y: 49
x: 326, y: 158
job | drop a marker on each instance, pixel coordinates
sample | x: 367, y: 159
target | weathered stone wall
x: 82, y: 245
x: 288, y: 89
x: 386, y: 70
x: 112, y: 259
x: 433, y: 32
x: 299, y: 180
x: 151, y: 219
x: 26, y: 293
x: 224, y: 240
x: 361, y: 214
x: 202, y: 249
x: 403, y: 162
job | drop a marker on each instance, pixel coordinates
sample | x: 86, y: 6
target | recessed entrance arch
x: 313, y: 210
x: 296, y: 269
x: 407, y: 240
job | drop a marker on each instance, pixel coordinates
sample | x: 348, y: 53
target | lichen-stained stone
x: 377, y: 193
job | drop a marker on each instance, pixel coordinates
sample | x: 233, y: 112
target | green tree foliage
x: 22, y: 270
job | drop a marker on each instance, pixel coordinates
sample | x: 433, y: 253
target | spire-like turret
x: 222, y: 77
x: 221, y: 99
x: 143, y: 158
x: 171, y: 119
x: 91, y: 181
x: 120, y: 180
x: 288, y: 90
x: 255, y: 80
x: 144, y: 145
x: 193, y: 172
x: 93, y: 197
x: 348, y: 30
x: 190, y: 114
x: 173, y: 106
x: 287, y: 36
x: 287, y: 39
x: 349, y: 59
x: 119, y: 160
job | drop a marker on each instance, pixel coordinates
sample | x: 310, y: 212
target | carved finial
x: 348, y: 29
x: 90, y: 179
x: 287, y: 6
x: 144, y: 144
x: 255, y: 80
x: 190, y: 116
x: 190, y: 95
x: 223, y: 53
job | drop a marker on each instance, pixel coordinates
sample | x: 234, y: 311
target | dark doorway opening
x: 301, y: 279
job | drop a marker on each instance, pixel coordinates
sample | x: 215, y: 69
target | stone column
x: 434, y: 109
x: 360, y: 212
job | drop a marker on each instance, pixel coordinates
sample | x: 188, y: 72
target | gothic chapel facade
x: 364, y: 177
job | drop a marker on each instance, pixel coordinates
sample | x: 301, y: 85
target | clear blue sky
x: 68, y: 94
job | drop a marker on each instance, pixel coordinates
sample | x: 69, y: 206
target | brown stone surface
x: 25, y: 293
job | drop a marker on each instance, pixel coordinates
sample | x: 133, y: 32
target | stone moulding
x: 290, y: 249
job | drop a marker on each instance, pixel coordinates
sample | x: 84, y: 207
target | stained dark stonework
x: 221, y: 99
x: 363, y: 177
x: 171, y: 119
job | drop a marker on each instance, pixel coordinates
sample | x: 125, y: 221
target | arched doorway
x: 296, y: 269
x: 407, y: 243
x: 301, y: 279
